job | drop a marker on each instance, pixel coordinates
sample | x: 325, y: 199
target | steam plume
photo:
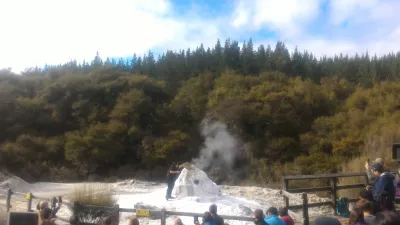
x: 220, y: 147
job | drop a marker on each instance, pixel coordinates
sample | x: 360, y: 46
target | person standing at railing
x: 273, y: 218
x: 371, y: 176
x: 213, y: 210
x: 284, y: 215
x: 383, y: 191
x: 259, y: 217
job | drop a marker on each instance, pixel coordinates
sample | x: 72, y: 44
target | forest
x: 293, y: 112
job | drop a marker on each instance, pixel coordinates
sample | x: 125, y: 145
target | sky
x: 35, y: 33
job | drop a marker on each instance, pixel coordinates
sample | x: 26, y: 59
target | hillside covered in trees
x: 117, y: 117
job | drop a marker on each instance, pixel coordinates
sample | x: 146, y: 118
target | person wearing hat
x: 383, y: 190
x: 371, y: 177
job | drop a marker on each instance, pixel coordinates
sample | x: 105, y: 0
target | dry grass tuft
x: 94, y: 194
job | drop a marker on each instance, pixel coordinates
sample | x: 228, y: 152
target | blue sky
x: 55, y: 31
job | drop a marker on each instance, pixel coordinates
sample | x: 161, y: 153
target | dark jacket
x: 384, y: 192
x: 384, y: 185
x: 260, y: 222
x: 218, y: 220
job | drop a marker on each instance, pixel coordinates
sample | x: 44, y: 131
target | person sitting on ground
x: 178, y: 221
x: 368, y: 211
x: 356, y: 217
x: 208, y: 219
x: 272, y: 217
x: 387, y: 218
x: 217, y: 219
x: 133, y: 221
x: 323, y: 220
x: 74, y: 220
x: 259, y: 217
x: 284, y: 215
x: 383, y: 190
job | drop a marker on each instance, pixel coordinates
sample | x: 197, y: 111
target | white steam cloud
x: 220, y: 147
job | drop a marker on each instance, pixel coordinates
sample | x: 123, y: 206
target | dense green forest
x: 294, y: 113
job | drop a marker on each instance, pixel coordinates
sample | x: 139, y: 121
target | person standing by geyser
x: 172, y: 175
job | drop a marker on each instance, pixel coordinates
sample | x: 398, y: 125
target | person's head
x: 213, y: 209
x: 387, y: 218
x: 283, y: 211
x: 107, y: 221
x: 74, y: 220
x: 366, y: 195
x: 272, y: 211
x: 379, y: 160
x: 258, y: 214
x: 377, y: 169
x: 207, y: 217
x: 356, y: 215
x: 323, y: 220
x: 43, y: 205
x: 365, y: 206
x: 178, y: 221
x: 133, y: 221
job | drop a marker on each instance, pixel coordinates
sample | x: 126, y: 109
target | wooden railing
x: 333, y: 188
x: 162, y: 214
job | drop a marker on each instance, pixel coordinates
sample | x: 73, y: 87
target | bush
x: 94, y: 194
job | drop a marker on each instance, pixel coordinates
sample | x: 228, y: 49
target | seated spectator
x: 107, y: 221
x: 387, y: 218
x: 133, y: 221
x: 356, y: 217
x: 259, y: 217
x: 44, y: 217
x: 217, y: 219
x: 178, y: 221
x: 368, y: 211
x: 323, y: 220
x: 283, y: 213
x: 74, y: 220
x: 272, y: 217
x: 208, y: 219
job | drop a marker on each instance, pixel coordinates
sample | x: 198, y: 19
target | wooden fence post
x: 306, y: 219
x: 29, y: 204
x: 116, y: 214
x: 333, y: 182
x: 163, y: 217
x: 285, y: 186
x: 8, y: 200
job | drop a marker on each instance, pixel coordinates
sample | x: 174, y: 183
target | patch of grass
x: 96, y: 194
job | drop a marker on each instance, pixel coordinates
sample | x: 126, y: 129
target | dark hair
x: 273, y: 211
x: 107, y: 221
x: 213, y: 209
x: 74, y: 220
x: 365, y: 206
x: 46, y: 214
x: 387, y: 218
x: 367, y: 194
x: 258, y: 214
x: 207, y: 218
x: 356, y: 215
x: 283, y: 211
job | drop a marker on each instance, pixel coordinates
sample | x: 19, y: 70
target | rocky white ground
x: 236, y: 201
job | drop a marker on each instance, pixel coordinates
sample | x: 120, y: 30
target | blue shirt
x: 274, y: 220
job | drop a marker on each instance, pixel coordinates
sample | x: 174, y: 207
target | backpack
x: 342, y: 207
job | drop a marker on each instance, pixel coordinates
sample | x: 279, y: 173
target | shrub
x: 97, y: 194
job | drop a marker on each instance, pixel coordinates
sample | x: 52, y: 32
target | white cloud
x: 372, y: 25
x: 288, y: 17
x: 54, y: 31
